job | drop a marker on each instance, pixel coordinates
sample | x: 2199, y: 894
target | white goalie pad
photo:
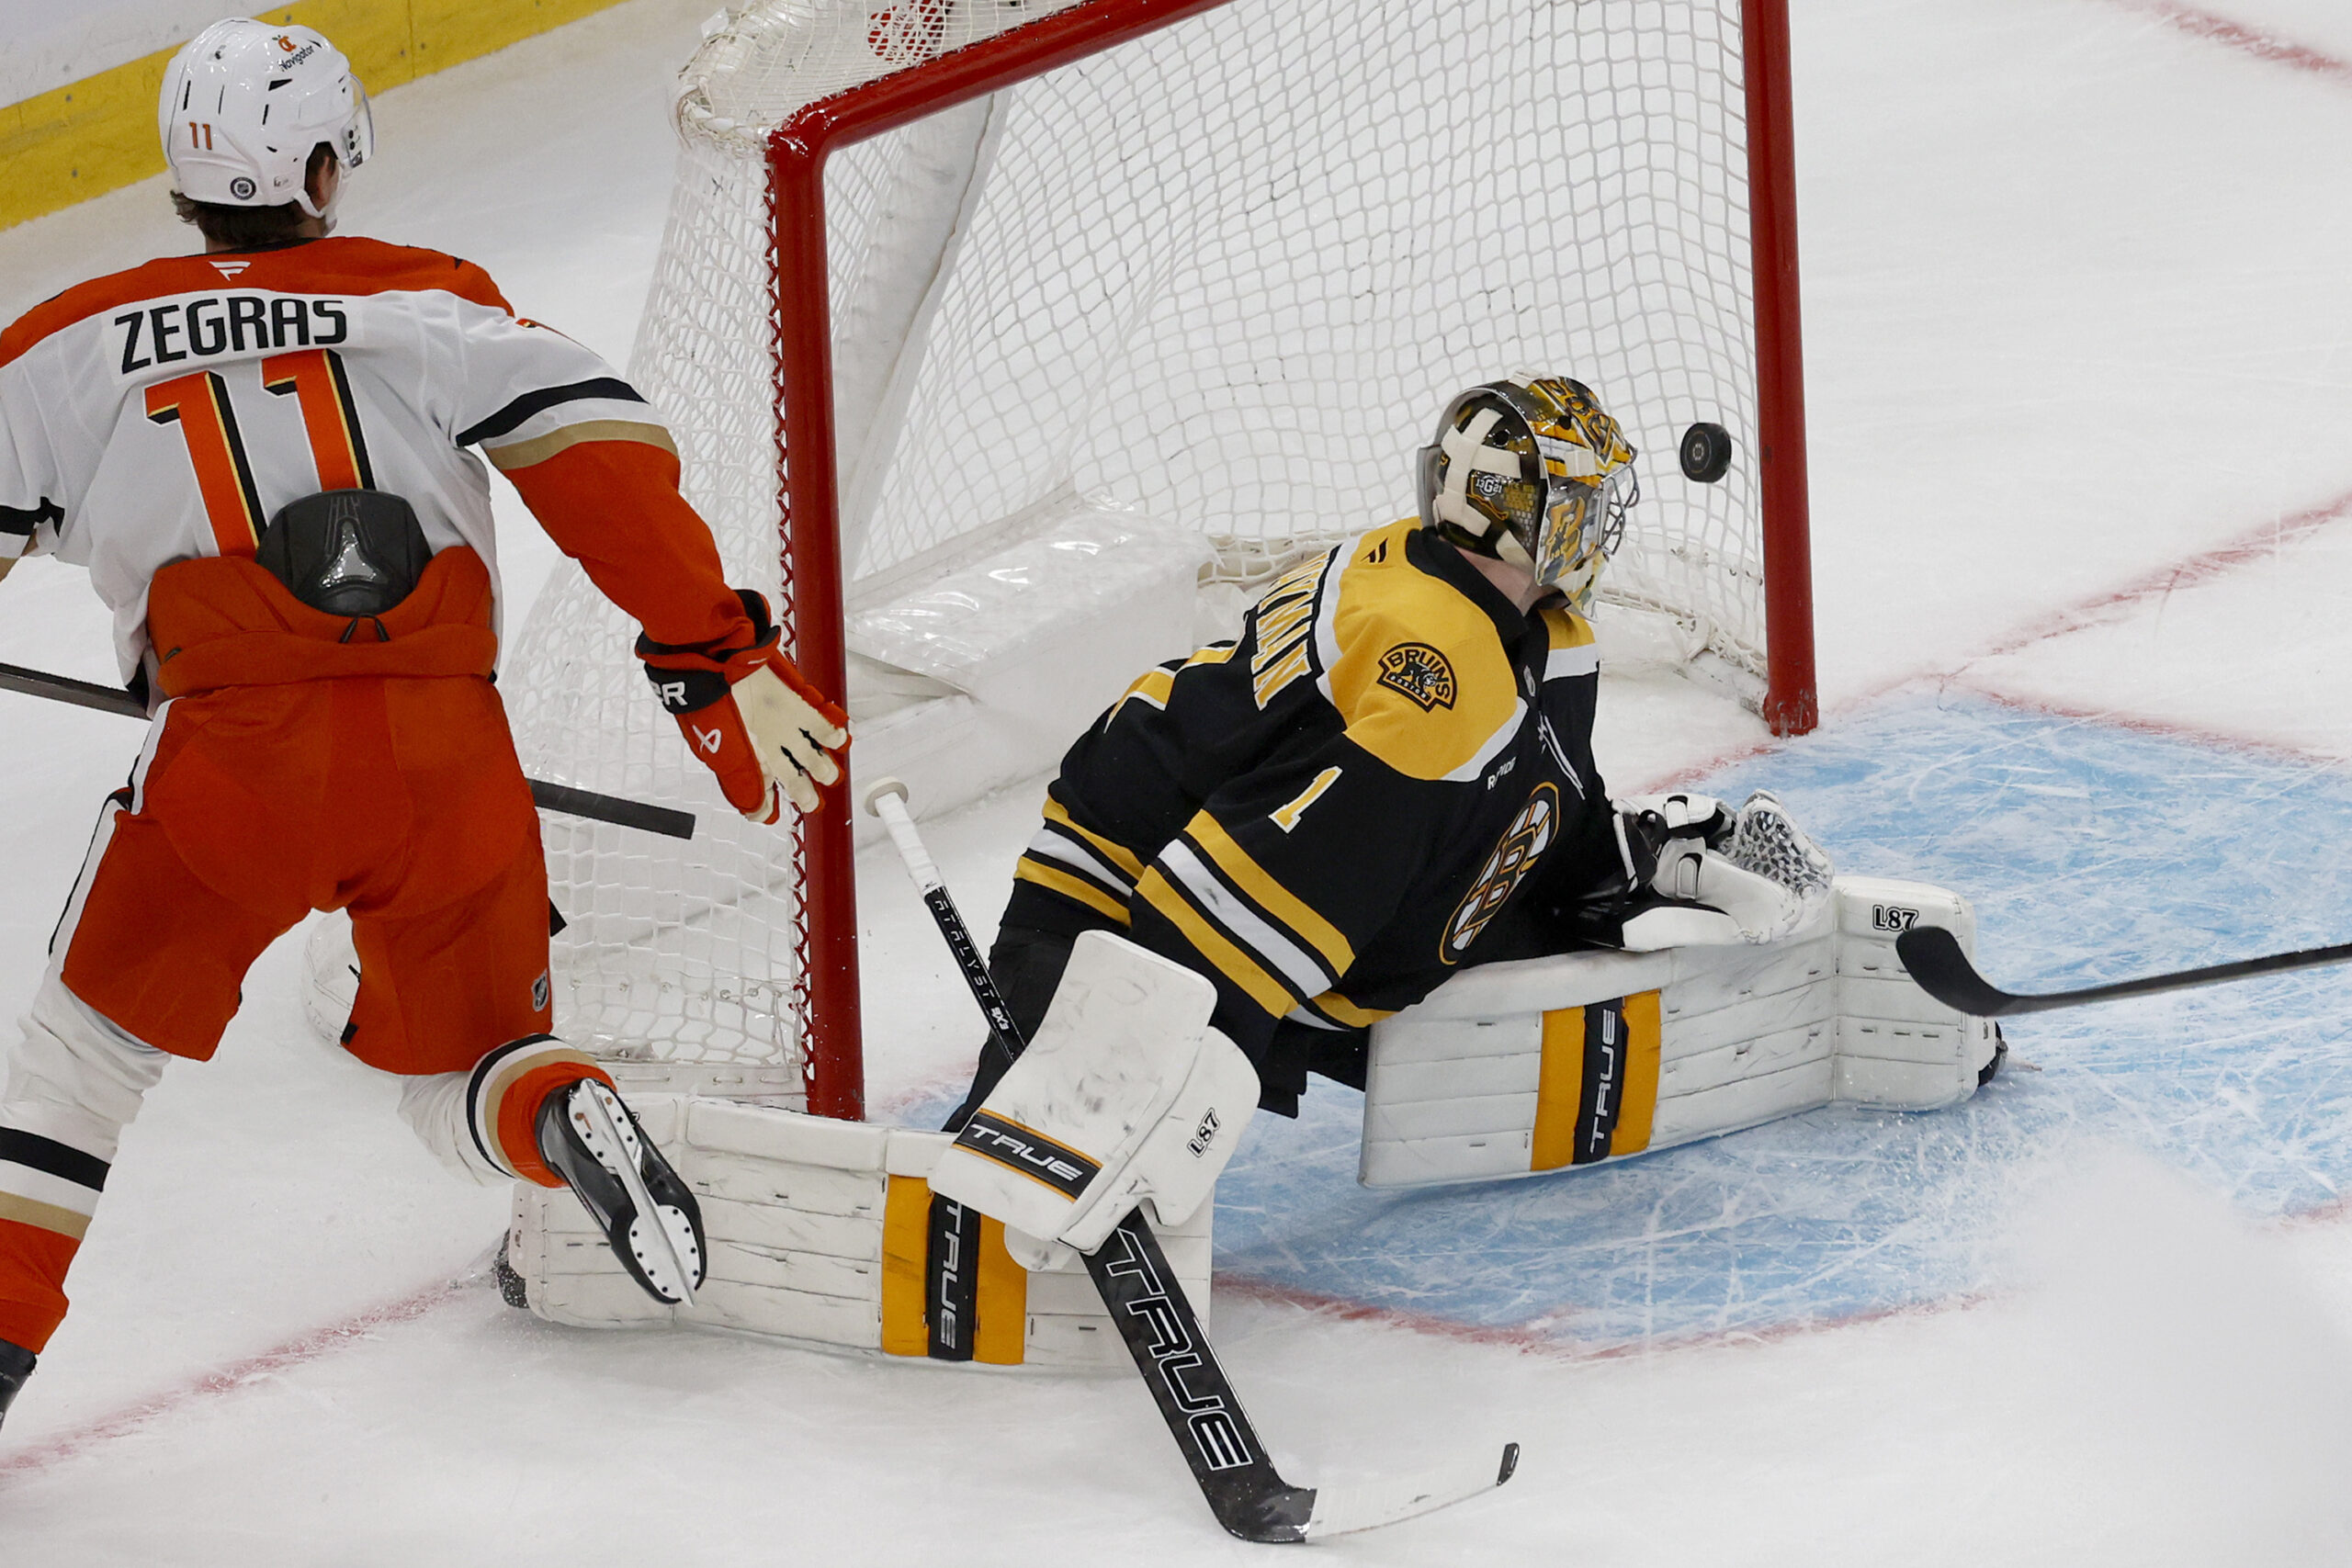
x: 1125, y: 1096
x: 818, y: 1233
x: 1512, y: 1069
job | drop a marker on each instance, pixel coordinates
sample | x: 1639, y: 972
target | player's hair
x: 251, y: 228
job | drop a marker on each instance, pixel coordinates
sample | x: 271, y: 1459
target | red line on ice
x: 2096, y: 609
x: 236, y: 1375
x: 2262, y: 45
x: 2203, y: 567
x: 2172, y: 728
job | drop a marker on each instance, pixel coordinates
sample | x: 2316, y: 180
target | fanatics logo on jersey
x: 231, y: 269
x: 1421, y: 673
x: 1523, y: 843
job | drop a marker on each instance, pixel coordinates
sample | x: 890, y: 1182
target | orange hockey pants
x: 397, y: 798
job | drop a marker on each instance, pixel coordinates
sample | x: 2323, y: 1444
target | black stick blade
x: 1936, y: 962
x: 1932, y: 955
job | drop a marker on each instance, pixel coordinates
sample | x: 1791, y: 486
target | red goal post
x: 919, y: 69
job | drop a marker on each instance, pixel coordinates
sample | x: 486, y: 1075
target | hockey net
x: 1223, y: 273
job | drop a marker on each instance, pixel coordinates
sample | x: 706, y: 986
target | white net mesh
x: 684, y: 954
x: 1226, y: 274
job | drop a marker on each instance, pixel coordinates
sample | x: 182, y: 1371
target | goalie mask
x: 1532, y: 470
x: 243, y: 103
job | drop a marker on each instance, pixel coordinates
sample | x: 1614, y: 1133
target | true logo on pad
x: 1031, y: 1153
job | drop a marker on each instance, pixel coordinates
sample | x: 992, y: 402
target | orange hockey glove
x: 751, y: 717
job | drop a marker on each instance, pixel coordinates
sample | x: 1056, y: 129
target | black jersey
x: 1328, y: 817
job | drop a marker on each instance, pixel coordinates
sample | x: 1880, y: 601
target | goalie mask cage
x: 935, y: 265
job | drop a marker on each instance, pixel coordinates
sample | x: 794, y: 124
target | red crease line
x: 2137, y: 724
x: 311, y: 1346
x: 2256, y: 41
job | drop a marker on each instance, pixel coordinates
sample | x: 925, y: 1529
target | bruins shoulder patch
x: 1420, y: 673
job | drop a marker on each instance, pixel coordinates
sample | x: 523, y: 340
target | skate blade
x: 662, y: 1258
x: 604, y: 1127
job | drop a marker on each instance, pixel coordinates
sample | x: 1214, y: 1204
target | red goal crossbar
x: 809, y: 485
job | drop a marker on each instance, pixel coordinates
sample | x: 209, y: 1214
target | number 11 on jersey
x: 199, y: 404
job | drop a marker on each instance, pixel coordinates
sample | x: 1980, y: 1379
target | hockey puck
x: 1706, y: 453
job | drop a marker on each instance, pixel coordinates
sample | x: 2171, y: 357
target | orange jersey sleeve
x: 611, y: 502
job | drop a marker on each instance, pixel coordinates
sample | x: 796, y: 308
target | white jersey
x: 171, y: 410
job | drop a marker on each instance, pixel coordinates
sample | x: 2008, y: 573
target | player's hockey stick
x: 1163, y: 1333
x: 548, y: 796
x: 1934, y: 958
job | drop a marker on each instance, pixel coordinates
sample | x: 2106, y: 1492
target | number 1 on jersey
x: 199, y: 405
x: 316, y: 378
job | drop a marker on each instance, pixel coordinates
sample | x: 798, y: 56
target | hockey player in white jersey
x: 264, y: 456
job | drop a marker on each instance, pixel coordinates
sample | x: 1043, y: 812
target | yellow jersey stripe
x: 1211, y: 944
x: 1564, y: 627
x: 530, y: 454
x: 1278, y: 901
x: 1152, y: 686
x: 65, y: 1221
x: 1338, y: 1009
x: 1070, y: 886
x: 1118, y: 854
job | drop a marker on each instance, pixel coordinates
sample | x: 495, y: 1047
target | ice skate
x: 591, y: 1139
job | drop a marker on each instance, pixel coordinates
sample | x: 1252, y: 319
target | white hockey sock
x: 73, y: 1082
x: 458, y: 1115
x: 73, y: 1078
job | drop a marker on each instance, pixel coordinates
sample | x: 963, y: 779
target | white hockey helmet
x: 1530, y: 469
x: 244, y: 103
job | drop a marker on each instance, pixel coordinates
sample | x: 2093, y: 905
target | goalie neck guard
x: 1533, y: 471
x: 243, y: 103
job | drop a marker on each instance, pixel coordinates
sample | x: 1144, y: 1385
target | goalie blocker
x: 1126, y: 1096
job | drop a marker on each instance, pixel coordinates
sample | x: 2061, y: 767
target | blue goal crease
x: 2092, y: 852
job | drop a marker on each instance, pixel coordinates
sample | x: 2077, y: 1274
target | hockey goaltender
x: 1388, y: 777
x: 1262, y: 854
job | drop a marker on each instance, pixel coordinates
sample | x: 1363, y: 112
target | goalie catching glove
x: 751, y: 717
x: 1696, y: 874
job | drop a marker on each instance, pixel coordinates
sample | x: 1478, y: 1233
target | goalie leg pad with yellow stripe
x: 1513, y: 1070
x: 819, y: 1234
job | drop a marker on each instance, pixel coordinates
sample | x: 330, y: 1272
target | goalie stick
x: 1163, y: 1333
x: 1942, y: 970
x: 548, y: 796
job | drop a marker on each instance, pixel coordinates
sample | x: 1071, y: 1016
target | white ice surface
x: 2076, y: 312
